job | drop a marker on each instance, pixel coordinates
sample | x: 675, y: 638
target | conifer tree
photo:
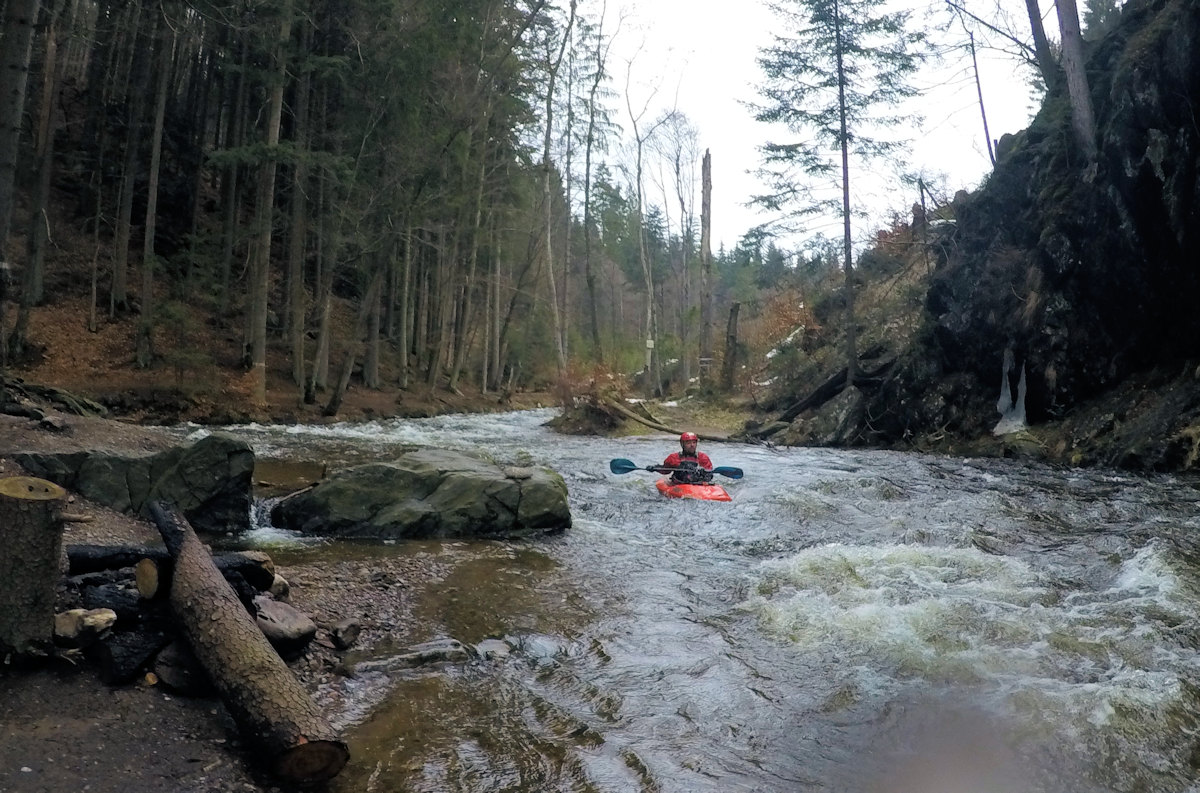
x: 837, y: 76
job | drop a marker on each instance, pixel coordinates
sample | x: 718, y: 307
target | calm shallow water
x: 852, y: 621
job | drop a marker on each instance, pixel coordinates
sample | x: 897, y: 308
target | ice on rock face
x: 1011, y: 406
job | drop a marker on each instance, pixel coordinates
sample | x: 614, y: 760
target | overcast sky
x: 700, y: 56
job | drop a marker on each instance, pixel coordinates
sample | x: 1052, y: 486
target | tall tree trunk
x: 230, y: 178
x: 465, y: 314
x: 1047, y: 65
x: 421, y: 312
x: 686, y: 219
x: 119, y: 297
x: 145, y: 343
x: 299, y: 229
x: 847, y: 263
x: 39, y: 220
x: 1082, y: 116
x: 987, y: 134
x: 320, y: 369
x: 371, y: 298
x: 547, y: 202
x: 496, y: 337
x: 20, y: 17
x: 39, y: 224
x: 371, y: 360
x: 590, y: 142
x: 264, y: 213
x: 443, y: 278
x: 706, y: 308
x: 403, y: 333
x: 202, y: 78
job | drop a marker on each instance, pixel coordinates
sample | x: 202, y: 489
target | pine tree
x: 836, y: 77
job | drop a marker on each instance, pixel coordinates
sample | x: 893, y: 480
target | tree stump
x: 31, y: 528
x: 271, y: 708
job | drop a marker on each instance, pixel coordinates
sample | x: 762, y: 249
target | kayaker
x: 690, y: 466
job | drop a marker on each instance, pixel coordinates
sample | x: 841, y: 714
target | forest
x: 422, y: 194
x: 398, y: 190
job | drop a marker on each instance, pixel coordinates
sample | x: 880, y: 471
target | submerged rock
x: 429, y: 493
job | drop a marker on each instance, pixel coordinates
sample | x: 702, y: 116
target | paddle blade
x: 622, y: 466
x: 727, y: 470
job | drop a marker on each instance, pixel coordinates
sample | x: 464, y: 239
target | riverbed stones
x: 429, y: 493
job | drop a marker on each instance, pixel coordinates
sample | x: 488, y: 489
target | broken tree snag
x: 266, y: 700
x: 31, y: 530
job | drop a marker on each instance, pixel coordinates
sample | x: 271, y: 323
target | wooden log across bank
x: 272, y: 709
x: 254, y: 566
x: 31, y: 527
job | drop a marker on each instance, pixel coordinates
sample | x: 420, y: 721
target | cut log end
x: 146, y: 574
x: 31, y: 489
x: 313, y: 761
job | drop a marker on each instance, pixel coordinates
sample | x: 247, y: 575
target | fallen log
x: 31, y: 529
x: 120, y: 599
x: 654, y: 425
x: 255, y: 567
x: 271, y: 708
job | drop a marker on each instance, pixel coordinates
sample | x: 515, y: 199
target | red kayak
x: 708, y: 492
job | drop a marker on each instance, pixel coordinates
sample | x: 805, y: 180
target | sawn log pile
x: 177, y: 616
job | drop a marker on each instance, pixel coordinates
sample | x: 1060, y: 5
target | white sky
x: 699, y: 56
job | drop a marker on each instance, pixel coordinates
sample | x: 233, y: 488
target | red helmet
x: 688, y: 436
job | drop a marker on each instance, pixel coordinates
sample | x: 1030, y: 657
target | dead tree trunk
x: 31, y: 528
x: 269, y: 705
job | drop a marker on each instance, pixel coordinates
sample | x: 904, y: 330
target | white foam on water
x: 960, y: 617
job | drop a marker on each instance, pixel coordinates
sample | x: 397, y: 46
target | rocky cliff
x: 1082, y: 275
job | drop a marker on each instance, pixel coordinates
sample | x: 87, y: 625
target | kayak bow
x: 707, y: 492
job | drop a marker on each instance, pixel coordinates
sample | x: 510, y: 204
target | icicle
x: 1011, y: 406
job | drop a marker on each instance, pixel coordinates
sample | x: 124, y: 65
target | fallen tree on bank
x: 271, y: 708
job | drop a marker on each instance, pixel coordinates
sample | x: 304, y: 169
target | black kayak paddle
x: 622, y: 466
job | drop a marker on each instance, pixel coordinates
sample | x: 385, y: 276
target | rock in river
x: 429, y: 493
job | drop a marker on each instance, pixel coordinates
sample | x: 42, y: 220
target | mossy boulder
x: 429, y: 493
x: 210, y: 481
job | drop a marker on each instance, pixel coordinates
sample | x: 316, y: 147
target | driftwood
x: 31, y: 529
x: 654, y: 425
x: 271, y: 708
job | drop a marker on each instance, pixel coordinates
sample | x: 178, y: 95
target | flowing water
x: 851, y: 621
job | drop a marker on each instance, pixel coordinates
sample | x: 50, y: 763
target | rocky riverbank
x: 61, y: 728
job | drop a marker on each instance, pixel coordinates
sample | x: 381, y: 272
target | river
x: 851, y: 621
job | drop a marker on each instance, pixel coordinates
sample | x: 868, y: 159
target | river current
x: 851, y: 621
